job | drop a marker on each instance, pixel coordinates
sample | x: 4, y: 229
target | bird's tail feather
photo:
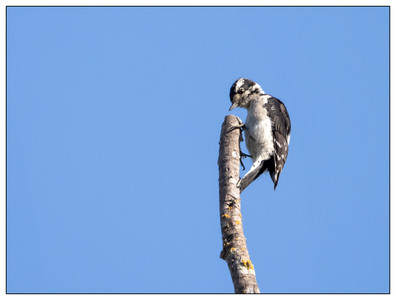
x: 251, y: 176
x: 275, y: 178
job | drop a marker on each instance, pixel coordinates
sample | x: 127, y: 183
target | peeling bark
x: 234, y: 251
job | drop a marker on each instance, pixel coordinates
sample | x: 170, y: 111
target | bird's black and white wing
x: 281, y: 127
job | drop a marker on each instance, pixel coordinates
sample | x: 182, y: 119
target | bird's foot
x: 243, y: 166
x: 244, y: 155
x: 240, y: 127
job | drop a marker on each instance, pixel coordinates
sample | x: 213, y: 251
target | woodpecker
x: 267, y: 130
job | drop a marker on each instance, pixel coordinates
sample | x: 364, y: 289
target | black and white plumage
x: 267, y: 130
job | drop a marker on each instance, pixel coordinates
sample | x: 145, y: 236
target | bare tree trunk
x: 234, y: 251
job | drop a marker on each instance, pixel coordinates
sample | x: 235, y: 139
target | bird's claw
x: 244, y: 155
x: 243, y: 166
x: 241, y: 127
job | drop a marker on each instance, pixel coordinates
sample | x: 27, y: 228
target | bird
x: 267, y: 130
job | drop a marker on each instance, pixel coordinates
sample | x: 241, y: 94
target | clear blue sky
x: 113, y: 124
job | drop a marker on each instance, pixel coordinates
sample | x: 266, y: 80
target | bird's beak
x: 233, y: 106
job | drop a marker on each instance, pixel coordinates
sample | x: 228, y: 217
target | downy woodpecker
x: 267, y: 130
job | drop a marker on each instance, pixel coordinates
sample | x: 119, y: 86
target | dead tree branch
x: 234, y: 251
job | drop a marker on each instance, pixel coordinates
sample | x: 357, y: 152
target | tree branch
x: 234, y: 251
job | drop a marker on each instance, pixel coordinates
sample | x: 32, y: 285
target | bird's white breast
x: 258, y: 133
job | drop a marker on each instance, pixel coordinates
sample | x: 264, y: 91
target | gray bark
x: 234, y: 251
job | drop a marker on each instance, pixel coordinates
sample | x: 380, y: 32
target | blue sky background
x: 113, y: 124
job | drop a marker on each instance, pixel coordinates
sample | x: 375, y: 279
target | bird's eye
x: 240, y: 91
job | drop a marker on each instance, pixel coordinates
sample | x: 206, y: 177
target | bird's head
x: 242, y: 91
